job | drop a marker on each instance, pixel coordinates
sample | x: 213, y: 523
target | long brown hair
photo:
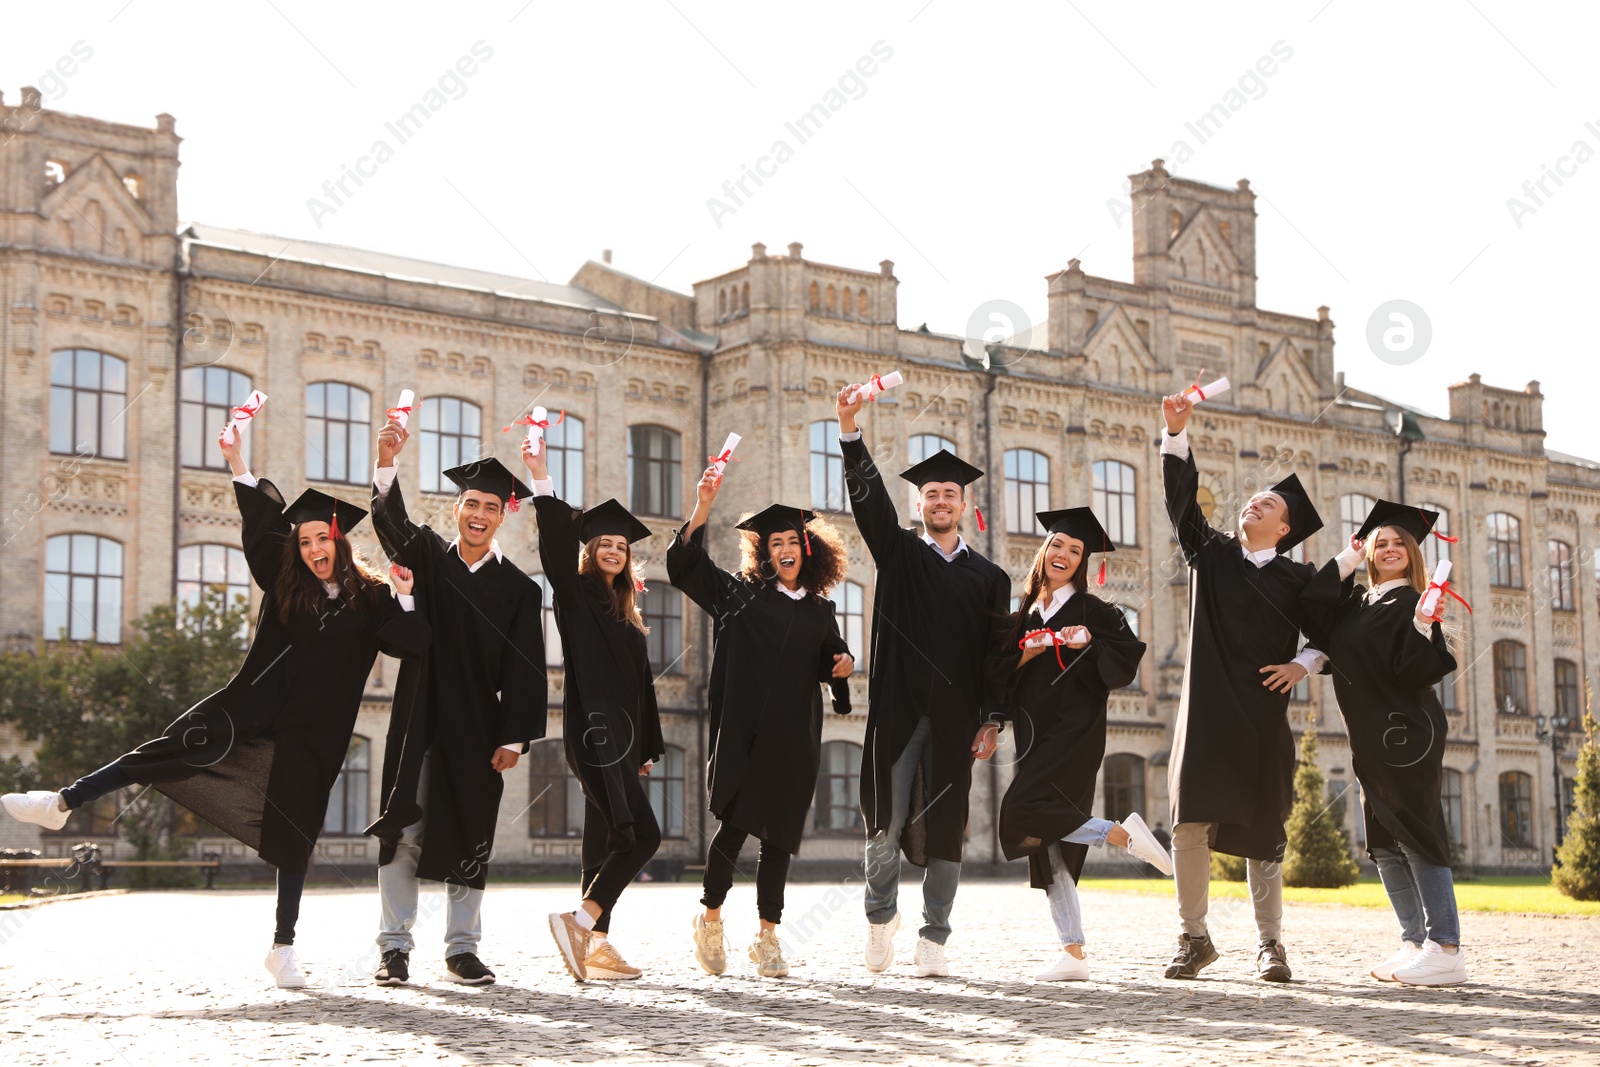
x: 1034, y: 586
x: 624, y: 588
x: 298, y: 590
x: 821, y: 570
x: 1416, y: 570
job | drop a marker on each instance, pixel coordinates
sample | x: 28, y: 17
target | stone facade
x: 93, y: 258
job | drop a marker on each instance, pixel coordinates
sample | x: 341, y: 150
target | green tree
x: 84, y: 705
x: 1577, y: 869
x: 1318, y: 853
x: 1226, y: 868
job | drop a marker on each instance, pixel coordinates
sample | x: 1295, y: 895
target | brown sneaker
x: 767, y: 954
x: 573, y: 942
x: 710, y: 950
x: 605, y: 963
x: 1272, y: 962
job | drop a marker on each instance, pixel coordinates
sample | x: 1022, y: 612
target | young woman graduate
x: 612, y: 730
x: 258, y: 758
x: 1387, y: 655
x: 776, y: 638
x: 1058, y: 705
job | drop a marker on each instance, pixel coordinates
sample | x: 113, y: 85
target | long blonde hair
x: 1416, y: 570
x: 624, y: 588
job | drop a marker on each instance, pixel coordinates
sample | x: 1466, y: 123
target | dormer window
x: 55, y: 172
x: 134, y: 184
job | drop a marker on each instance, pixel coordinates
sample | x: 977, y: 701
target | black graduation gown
x: 482, y: 685
x: 765, y: 701
x: 1233, y: 752
x: 939, y: 632
x: 258, y: 758
x: 1383, y: 674
x: 1060, y: 719
x: 612, y: 726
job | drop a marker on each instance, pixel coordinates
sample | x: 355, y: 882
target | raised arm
x: 1326, y: 594
x: 403, y: 540
x: 1180, y: 479
x: 263, y: 527
x: 523, y: 684
x: 403, y: 631
x: 690, y: 567
x: 869, y: 501
x: 558, y: 529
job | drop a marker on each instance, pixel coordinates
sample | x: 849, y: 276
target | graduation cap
x: 945, y: 466
x: 489, y: 475
x: 314, y: 506
x: 777, y: 519
x: 1418, y: 522
x: 1081, y: 524
x: 1303, y: 518
x: 612, y: 519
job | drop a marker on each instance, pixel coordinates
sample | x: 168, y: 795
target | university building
x: 126, y: 335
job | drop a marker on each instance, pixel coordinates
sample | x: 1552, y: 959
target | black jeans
x: 772, y: 872
x: 605, y: 873
x: 290, y: 886
x: 96, y: 784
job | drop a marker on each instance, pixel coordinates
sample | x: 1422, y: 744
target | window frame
x: 203, y: 419
x: 1137, y: 786
x: 1505, y: 549
x: 663, y: 474
x: 828, y: 462
x: 1516, y: 809
x: 565, y: 459
x: 432, y: 470
x: 852, y: 621
x: 1024, y: 480
x: 666, y: 801
x: 663, y: 624
x: 1510, y: 676
x: 358, y: 434
x: 74, y: 396
x: 824, y: 808
x: 548, y: 772
x: 99, y: 598
x: 345, y: 788
x: 1563, y: 581
x: 1103, y: 495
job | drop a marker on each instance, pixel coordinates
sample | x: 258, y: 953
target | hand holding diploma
x: 1198, y: 392
x: 537, y: 421
x: 401, y: 412
x: 877, y: 384
x: 242, y: 415
x: 1431, y: 607
x: 720, y: 461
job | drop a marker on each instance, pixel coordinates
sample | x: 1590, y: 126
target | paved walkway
x: 155, y: 979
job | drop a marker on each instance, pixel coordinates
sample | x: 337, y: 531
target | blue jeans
x: 96, y: 784
x: 1419, y: 891
x: 397, y: 893
x: 1062, y: 891
x: 941, y: 877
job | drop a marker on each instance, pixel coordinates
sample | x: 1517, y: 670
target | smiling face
x: 940, y: 505
x: 784, y: 550
x: 1063, y: 555
x: 611, y: 554
x: 1265, y: 519
x: 478, y: 516
x: 1389, y: 555
x: 316, y: 549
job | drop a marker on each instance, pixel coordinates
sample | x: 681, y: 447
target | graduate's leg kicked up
x: 50, y: 810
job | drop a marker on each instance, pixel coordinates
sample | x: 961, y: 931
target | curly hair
x: 820, y: 571
x: 300, y: 592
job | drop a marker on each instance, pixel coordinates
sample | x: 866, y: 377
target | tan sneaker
x: 710, y: 947
x: 767, y: 954
x: 605, y: 963
x: 573, y: 942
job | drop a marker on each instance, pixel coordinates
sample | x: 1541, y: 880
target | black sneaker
x: 1272, y: 963
x: 1195, y: 954
x: 395, y: 969
x: 467, y: 969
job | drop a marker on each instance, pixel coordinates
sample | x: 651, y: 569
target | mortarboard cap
x: 315, y: 506
x: 942, y: 466
x: 1418, y: 522
x: 489, y: 475
x: 1303, y: 518
x: 612, y: 519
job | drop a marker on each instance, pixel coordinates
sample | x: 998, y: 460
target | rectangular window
x: 663, y: 613
x: 209, y: 395
x: 654, y: 471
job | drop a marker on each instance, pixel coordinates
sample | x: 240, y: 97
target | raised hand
x: 234, y: 452
x: 1176, y: 408
x: 401, y: 578
x: 849, y: 404
x: 391, y: 439
x: 533, y: 457
x: 708, y: 486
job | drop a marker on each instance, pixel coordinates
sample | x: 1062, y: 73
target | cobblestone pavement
x: 178, y: 977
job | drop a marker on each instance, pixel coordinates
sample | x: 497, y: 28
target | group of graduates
x: 952, y: 666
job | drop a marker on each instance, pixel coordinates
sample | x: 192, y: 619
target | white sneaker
x: 1142, y: 844
x: 1384, y: 972
x: 284, y: 966
x: 929, y: 959
x: 1433, y: 966
x: 38, y: 806
x: 1064, y: 968
x: 880, y: 944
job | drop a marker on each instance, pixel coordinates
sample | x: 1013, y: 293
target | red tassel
x: 333, y: 527
x: 513, y: 504
x: 982, y: 526
x: 638, y: 584
x: 805, y: 534
x: 1101, y: 578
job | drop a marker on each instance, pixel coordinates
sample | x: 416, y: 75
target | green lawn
x: 12, y: 898
x: 1510, y: 893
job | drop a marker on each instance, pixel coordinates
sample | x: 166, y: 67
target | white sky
x: 980, y: 158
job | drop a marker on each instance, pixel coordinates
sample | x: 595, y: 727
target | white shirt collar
x: 331, y: 588
x: 797, y: 593
x: 494, y: 550
x: 961, y: 546
x: 1058, y: 598
x: 1261, y: 558
x: 1379, y: 590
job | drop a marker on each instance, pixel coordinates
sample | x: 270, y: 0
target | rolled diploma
x: 721, y: 462
x: 536, y: 433
x: 871, y: 389
x: 407, y: 400
x: 1440, y: 574
x: 254, y: 402
x: 1206, y: 392
x: 1044, y: 640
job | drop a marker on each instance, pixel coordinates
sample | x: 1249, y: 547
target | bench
x: 85, y: 864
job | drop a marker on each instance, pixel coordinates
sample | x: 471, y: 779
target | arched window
x: 88, y: 399
x: 722, y: 303
x: 920, y: 446
x: 1566, y: 705
x: 849, y: 600
x: 1132, y: 615
x: 849, y: 298
x: 206, y: 568
x: 338, y: 432
x: 1451, y: 799
x: 662, y: 608
x: 1563, y: 596
x: 1516, y: 809
x: 1124, y: 785
x: 1027, y: 489
x: 83, y: 589
x: 347, y: 804
x: 1434, y: 549
x: 1510, y: 677
x: 861, y: 304
x: 1505, y: 549
x: 744, y: 297
x: 564, y: 441
x: 665, y: 788
x: 816, y: 297
x: 547, y: 619
x: 828, y: 492
x: 654, y: 471
x: 837, y: 809
x: 1115, y: 501
x: 1353, y: 508
x: 832, y: 304
x: 556, y: 809
x: 209, y: 395
x: 452, y: 434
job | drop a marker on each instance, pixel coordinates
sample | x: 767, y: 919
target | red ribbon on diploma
x: 1445, y: 590
x: 1195, y: 388
x: 1056, y: 641
x: 246, y: 411
x: 395, y: 413
x: 529, y: 420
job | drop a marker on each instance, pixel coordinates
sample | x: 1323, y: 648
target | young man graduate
x: 481, y: 700
x: 938, y: 679
x: 1232, y: 766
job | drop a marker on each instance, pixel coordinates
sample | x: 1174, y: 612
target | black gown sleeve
x: 1001, y: 655
x: 264, y: 530
x: 1180, y: 479
x: 869, y: 501
x: 1418, y: 662
x: 403, y: 541
x: 558, y: 547
x: 834, y: 644
x: 1322, y: 601
x: 523, y: 683
x: 691, y: 569
x: 1117, y: 652
x: 401, y: 633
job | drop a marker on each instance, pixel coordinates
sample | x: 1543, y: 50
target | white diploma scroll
x: 242, y: 416
x: 721, y: 459
x: 1197, y: 393
x: 1441, y: 574
x: 878, y: 384
x: 401, y: 412
x: 537, y: 421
